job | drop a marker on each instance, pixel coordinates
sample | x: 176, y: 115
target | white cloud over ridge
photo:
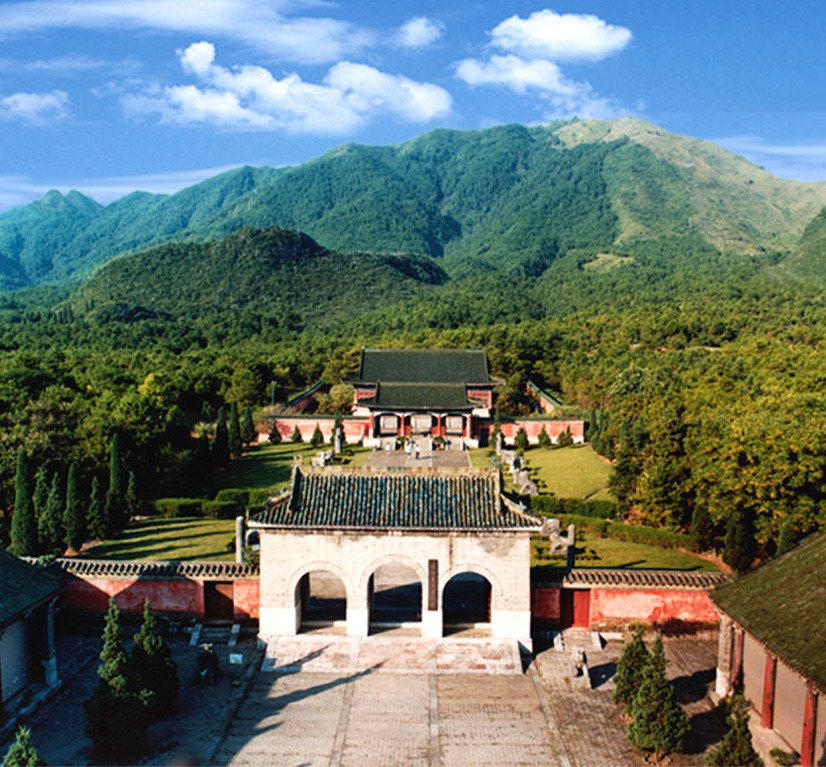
x: 419, y: 32
x: 801, y: 162
x: 35, y: 108
x: 266, y: 24
x: 533, y: 46
x: 560, y: 36
x: 251, y: 98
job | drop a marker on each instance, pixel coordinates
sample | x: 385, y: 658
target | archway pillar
x: 432, y: 624
x: 358, y: 614
x: 511, y: 624
x: 278, y: 620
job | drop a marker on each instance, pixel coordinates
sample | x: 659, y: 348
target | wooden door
x: 218, y: 601
x: 575, y: 608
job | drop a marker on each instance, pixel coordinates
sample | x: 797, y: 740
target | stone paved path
x: 367, y: 718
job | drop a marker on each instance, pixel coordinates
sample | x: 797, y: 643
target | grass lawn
x: 479, y: 457
x: 570, y: 472
x: 269, y: 466
x: 185, y: 538
x: 609, y: 553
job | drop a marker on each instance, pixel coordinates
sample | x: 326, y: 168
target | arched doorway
x: 394, y: 594
x: 321, y: 603
x: 466, y: 605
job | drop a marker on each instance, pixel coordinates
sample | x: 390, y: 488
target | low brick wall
x: 534, y: 426
x: 354, y: 428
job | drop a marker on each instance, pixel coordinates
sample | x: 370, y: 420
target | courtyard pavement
x: 453, y: 459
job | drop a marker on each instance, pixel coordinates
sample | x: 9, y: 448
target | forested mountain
x: 508, y: 198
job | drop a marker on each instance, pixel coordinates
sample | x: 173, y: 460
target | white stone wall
x: 502, y: 558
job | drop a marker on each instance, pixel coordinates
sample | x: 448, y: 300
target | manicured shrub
x: 22, y: 753
x: 630, y: 666
x: 258, y: 497
x: 553, y: 506
x: 736, y: 747
x: 650, y: 536
x: 565, y: 439
x: 234, y: 494
x: 317, y: 440
x: 520, y: 442
x: 296, y: 437
x: 152, y: 668
x: 221, y: 509
x: 171, y: 508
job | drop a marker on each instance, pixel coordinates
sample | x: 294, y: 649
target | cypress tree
x: 736, y: 747
x: 220, y: 448
x: 40, y: 497
x: 153, y: 668
x: 296, y: 436
x: 248, y: 431
x: 96, y: 513
x: 74, y: 525
x: 50, y: 523
x: 115, y: 505
x: 22, y: 753
x: 317, y: 439
x: 701, y: 527
x: 521, y: 441
x: 23, y: 523
x: 116, y: 717
x: 630, y: 666
x: 234, y: 434
x: 565, y: 439
x: 786, y: 538
x: 275, y: 436
x: 132, y: 499
x: 660, y: 724
x: 739, y: 544
x: 544, y: 439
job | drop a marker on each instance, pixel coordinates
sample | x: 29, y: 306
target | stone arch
x: 495, y: 586
x: 391, y: 559
x: 332, y: 567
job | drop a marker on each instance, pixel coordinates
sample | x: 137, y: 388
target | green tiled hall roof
x: 456, y: 366
x: 24, y: 587
x: 420, y: 396
x: 782, y: 605
x: 325, y: 498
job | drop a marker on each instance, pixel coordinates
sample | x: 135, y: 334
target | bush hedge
x: 170, y: 508
x: 221, y: 509
x: 649, y: 536
x: 234, y: 495
x: 553, y: 506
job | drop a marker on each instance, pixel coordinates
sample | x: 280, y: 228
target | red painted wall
x: 354, y: 429
x: 533, y: 428
x: 245, y: 597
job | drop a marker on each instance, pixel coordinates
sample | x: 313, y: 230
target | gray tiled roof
x: 155, y: 570
x: 659, y: 579
x: 24, y: 586
x: 457, y: 366
x: 420, y: 397
x: 403, y: 499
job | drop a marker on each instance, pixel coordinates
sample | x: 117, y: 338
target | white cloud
x: 19, y: 190
x: 250, y: 97
x: 560, y: 36
x: 803, y: 162
x: 419, y: 32
x: 60, y: 65
x: 267, y: 24
x: 35, y: 108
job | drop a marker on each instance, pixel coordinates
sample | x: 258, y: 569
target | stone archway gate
x: 438, y: 522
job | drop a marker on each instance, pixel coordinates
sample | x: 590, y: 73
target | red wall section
x: 533, y: 428
x: 653, y: 606
x: 245, y: 595
x: 353, y: 429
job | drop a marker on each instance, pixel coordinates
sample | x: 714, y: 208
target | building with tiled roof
x: 27, y: 647
x: 773, y: 645
x: 443, y: 526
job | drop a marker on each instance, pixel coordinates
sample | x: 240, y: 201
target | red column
x: 372, y: 427
x: 807, y: 748
x: 737, y: 664
x: 769, y: 677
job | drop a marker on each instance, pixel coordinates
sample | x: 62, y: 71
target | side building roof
x: 782, y: 603
x: 24, y: 587
x: 446, y: 366
x: 429, y: 396
x: 376, y: 499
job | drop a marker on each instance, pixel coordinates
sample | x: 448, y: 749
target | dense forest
x: 701, y: 371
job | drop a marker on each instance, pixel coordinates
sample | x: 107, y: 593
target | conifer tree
x: 701, y: 527
x: 50, y: 523
x: 248, y: 431
x: 630, y: 666
x: 544, y: 439
x: 220, y: 448
x: 115, y: 505
x: 40, y: 498
x: 96, y: 519
x: 275, y: 436
x: 116, y: 716
x: 22, y: 753
x: 565, y: 439
x: 786, y: 538
x: 132, y: 500
x: 317, y: 439
x: 23, y: 523
x: 660, y: 724
x: 296, y: 437
x: 736, y: 747
x: 234, y: 431
x: 74, y: 524
x: 521, y: 441
x: 739, y: 544
x: 153, y: 668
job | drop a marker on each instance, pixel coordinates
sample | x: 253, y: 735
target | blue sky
x: 110, y: 96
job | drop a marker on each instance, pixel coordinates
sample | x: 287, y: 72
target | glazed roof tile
x: 420, y: 397
x: 659, y: 579
x: 24, y: 587
x: 155, y: 570
x: 337, y: 498
x: 457, y: 366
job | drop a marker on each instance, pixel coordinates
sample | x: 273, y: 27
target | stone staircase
x: 215, y: 634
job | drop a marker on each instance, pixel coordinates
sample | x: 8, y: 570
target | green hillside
x: 808, y: 261
x: 508, y: 198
